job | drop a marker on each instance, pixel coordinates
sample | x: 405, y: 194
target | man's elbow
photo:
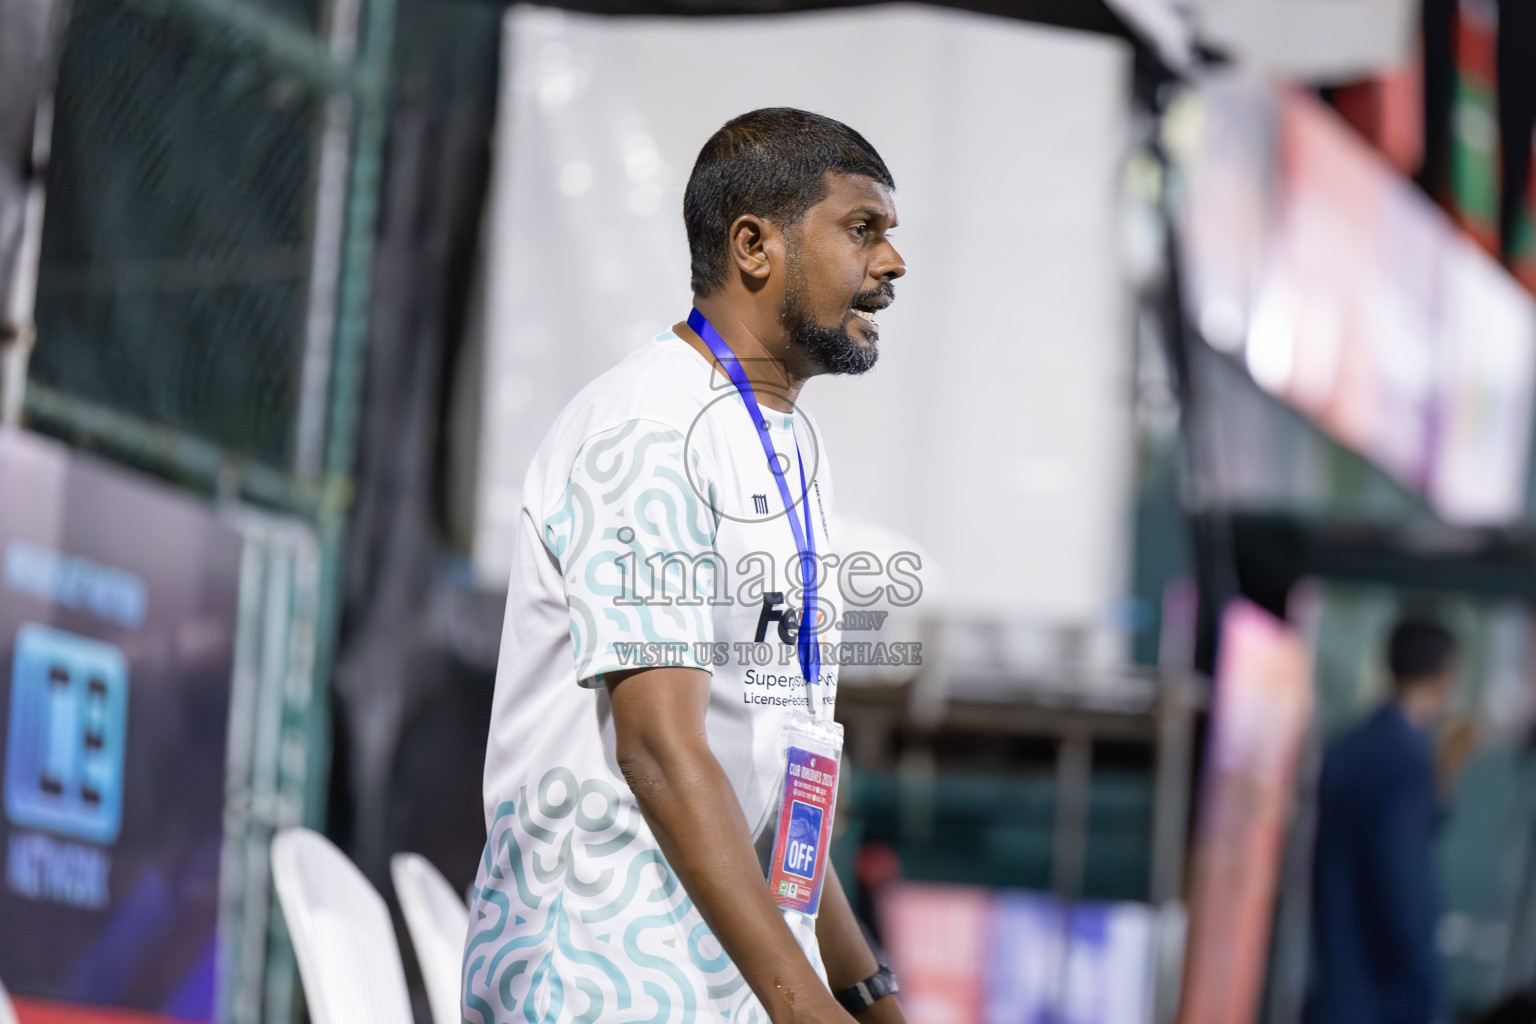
x: 654, y: 767
x: 642, y: 770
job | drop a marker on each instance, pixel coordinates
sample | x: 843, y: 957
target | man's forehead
x: 848, y: 192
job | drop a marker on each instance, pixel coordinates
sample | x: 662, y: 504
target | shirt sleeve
x: 634, y: 536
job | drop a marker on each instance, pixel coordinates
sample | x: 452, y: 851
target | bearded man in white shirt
x: 664, y: 630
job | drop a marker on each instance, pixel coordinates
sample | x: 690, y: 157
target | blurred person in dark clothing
x: 1375, y: 880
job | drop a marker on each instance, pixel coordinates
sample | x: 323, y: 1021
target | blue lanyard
x: 805, y: 536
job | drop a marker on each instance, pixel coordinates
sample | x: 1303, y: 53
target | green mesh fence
x: 175, y: 251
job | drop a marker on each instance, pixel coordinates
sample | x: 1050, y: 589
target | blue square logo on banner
x: 64, y: 748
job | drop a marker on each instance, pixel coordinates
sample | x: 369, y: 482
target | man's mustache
x: 886, y: 291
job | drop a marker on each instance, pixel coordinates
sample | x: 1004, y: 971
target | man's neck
x: 1421, y: 709
x: 763, y: 349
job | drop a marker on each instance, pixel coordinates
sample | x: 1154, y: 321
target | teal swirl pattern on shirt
x: 576, y: 917
x: 635, y: 543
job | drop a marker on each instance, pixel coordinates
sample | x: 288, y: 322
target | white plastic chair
x: 7, y: 1011
x: 438, y: 922
x: 342, y: 933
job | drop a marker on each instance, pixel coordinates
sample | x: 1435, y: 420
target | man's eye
x: 861, y: 230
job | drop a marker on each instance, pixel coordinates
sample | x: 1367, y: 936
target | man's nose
x: 891, y: 267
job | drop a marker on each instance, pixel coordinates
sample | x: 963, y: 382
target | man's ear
x: 753, y: 240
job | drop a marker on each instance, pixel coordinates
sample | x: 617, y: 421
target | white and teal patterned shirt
x: 652, y: 531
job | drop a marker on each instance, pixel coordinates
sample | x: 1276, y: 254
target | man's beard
x: 831, y: 348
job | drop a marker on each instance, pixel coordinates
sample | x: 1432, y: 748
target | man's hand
x: 847, y: 957
x: 1455, y: 747
x: 662, y: 749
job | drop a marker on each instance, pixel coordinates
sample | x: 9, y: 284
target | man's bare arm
x: 686, y: 798
x: 847, y: 957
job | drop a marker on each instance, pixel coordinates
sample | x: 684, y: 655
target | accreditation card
x: 812, y: 758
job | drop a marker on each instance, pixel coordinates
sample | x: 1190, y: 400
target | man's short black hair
x: 768, y: 163
x: 1418, y: 649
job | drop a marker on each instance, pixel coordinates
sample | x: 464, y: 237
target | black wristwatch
x: 858, y: 998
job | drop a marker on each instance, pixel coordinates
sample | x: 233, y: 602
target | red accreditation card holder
x: 812, y: 758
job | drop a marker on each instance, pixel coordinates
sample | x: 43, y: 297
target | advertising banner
x: 1084, y: 963
x: 1263, y: 708
x: 1349, y: 295
x: 117, y: 622
x: 938, y: 936
x: 967, y: 955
